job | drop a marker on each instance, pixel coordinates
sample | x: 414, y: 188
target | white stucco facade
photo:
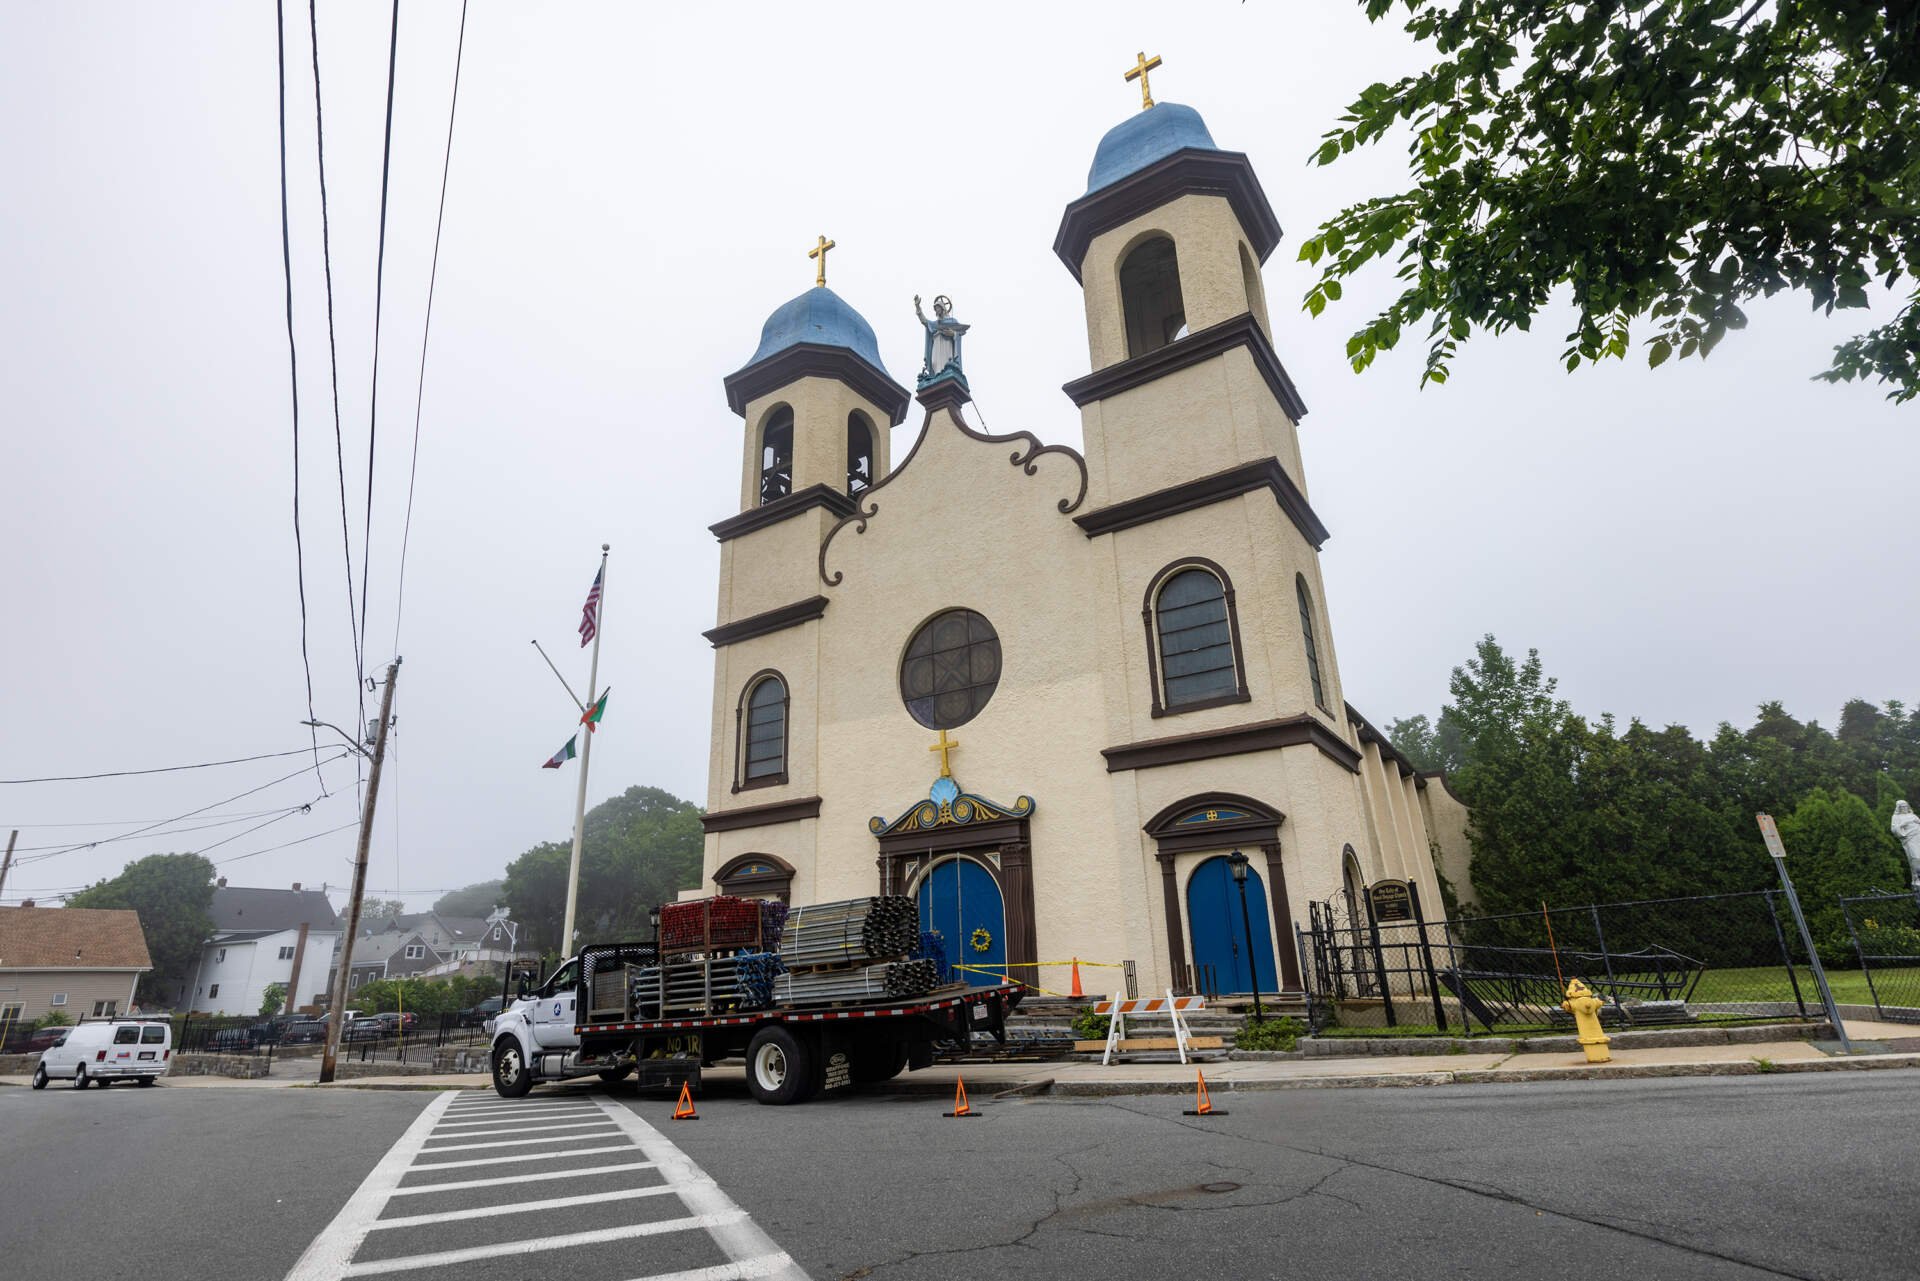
x: 1088, y: 792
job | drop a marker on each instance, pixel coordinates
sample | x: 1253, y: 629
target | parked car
x: 231, y: 1040
x: 394, y: 1021
x: 364, y: 1030
x: 479, y: 1014
x: 304, y: 1032
x: 46, y: 1038
x: 108, y: 1051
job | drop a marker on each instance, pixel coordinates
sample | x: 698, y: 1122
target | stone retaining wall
x: 17, y: 1064
x: 241, y: 1067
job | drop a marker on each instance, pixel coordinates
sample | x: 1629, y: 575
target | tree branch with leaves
x: 1665, y: 160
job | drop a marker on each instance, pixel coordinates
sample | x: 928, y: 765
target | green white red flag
x: 592, y: 715
x: 562, y: 756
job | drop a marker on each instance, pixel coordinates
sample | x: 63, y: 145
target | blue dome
x: 1139, y: 140
x: 818, y: 316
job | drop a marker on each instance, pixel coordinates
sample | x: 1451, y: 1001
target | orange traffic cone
x: 1206, y: 1107
x: 960, y: 1107
x: 1076, y: 979
x: 683, y: 1110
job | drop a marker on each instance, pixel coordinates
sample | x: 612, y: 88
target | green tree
x: 1428, y: 745
x: 381, y: 909
x: 272, y: 999
x: 1836, y: 845
x: 52, y: 1018
x: 641, y: 849
x: 1666, y: 160
x: 477, y: 899
x: 173, y: 893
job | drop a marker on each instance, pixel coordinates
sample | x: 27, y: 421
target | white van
x: 107, y: 1051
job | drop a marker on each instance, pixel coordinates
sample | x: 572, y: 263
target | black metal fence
x: 421, y: 1042
x: 1886, y: 936
x: 1658, y: 962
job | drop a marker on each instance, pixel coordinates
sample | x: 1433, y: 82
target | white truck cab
x: 533, y: 1038
x: 121, y: 1049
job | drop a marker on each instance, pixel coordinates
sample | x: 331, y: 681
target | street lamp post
x: 653, y: 919
x: 1238, y: 862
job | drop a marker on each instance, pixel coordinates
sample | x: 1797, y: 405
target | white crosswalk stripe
x: 567, y: 1129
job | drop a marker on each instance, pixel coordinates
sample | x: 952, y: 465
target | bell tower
x: 1190, y: 421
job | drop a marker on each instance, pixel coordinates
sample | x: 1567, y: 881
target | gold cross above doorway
x: 944, y: 746
x: 1139, y: 72
x: 819, y: 251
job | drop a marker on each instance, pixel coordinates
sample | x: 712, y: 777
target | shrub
x: 52, y: 1018
x: 1089, y: 1026
x: 1269, y: 1034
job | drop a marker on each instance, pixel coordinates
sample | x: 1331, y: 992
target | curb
x: 383, y: 1085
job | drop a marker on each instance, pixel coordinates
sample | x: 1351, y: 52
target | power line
x: 211, y: 823
x: 419, y: 394
x: 293, y: 362
x: 127, y: 822
x: 344, y: 827
x: 373, y: 399
x: 190, y: 813
x: 333, y: 352
x: 126, y: 773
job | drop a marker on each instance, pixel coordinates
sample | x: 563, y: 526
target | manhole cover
x: 1219, y: 1187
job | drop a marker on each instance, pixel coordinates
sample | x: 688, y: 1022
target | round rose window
x: 950, y: 669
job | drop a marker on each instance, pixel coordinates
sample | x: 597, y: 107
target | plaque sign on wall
x: 1391, y: 901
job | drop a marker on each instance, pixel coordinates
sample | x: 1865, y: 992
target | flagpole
x: 586, y: 758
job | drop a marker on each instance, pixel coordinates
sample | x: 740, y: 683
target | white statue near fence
x: 1906, y: 830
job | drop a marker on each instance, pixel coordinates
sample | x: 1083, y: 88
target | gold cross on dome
x: 944, y: 746
x: 1139, y: 72
x: 820, y: 251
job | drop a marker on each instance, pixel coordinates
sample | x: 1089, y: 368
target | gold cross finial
x: 1139, y: 72
x: 820, y: 251
x: 944, y: 746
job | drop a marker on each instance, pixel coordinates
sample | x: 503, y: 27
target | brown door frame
x: 1174, y: 835
x: 1013, y: 876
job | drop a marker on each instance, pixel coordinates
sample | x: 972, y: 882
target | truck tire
x: 613, y: 1076
x: 40, y: 1077
x: 877, y: 1059
x: 781, y: 1068
x: 80, y: 1077
x: 511, y: 1078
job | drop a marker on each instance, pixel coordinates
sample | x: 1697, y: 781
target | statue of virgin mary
x: 943, y: 341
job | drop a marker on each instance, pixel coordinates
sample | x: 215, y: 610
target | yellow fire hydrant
x: 1585, y: 1008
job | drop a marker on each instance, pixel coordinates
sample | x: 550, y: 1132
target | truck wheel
x: 39, y: 1077
x: 146, y: 1080
x: 80, y: 1077
x: 613, y: 1076
x: 780, y: 1068
x: 877, y: 1060
x: 511, y: 1080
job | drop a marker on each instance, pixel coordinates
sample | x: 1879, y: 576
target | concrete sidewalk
x: 1879, y: 1046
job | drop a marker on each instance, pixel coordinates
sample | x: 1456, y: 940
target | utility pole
x: 337, y: 1005
x: 7, y: 864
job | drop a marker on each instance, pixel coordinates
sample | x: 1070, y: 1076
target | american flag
x: 590, y: 615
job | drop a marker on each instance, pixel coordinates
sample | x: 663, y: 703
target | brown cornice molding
x: 1204, y: 492
x: 816, y: 360
x: 800, y: 500
x: 1368, y: 734
x: 1204, y: 344
x: 773, y: 620
x: 865, y: 510
x: 1289, y: 731
x: 944, y: 393
x: 1189, y: 171
x: 761, y: 815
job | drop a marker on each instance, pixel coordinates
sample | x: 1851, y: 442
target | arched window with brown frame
x: 1150, y: 300
x: 756, y: 876
x: 1194, y: 655
x: 776, y: 455
x: 1306, y: 635
x: 760, y: 758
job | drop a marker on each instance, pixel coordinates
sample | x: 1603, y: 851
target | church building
x: 1057, y: 732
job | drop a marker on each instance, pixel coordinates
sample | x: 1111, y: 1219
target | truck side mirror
x: 525, y: 987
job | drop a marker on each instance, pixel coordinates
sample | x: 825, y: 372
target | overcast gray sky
x: 633, y: 190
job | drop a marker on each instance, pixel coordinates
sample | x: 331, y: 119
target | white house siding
x: 253, y: 964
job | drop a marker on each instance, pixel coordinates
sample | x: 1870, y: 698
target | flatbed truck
x: 583, y: 1021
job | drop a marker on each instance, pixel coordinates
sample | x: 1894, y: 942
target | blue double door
x: 1220, y: 933
x: 960, y: 902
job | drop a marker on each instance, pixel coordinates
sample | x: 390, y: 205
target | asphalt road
x: 1795, y: 1176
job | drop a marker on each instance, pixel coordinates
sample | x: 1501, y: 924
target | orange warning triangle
x: 683, y: 1110
x: 960, y: 1105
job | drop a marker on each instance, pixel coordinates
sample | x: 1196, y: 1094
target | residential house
x: 428, y: 944
x: 80, y: 961
x: 262, y: 937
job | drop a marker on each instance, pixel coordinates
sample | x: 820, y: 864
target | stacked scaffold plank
x: 686, y: 988
x: 721, y: 923
x: 879, y: 981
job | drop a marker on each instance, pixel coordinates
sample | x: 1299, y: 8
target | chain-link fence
x: 1658, y: 962
x: 1886, y: 936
